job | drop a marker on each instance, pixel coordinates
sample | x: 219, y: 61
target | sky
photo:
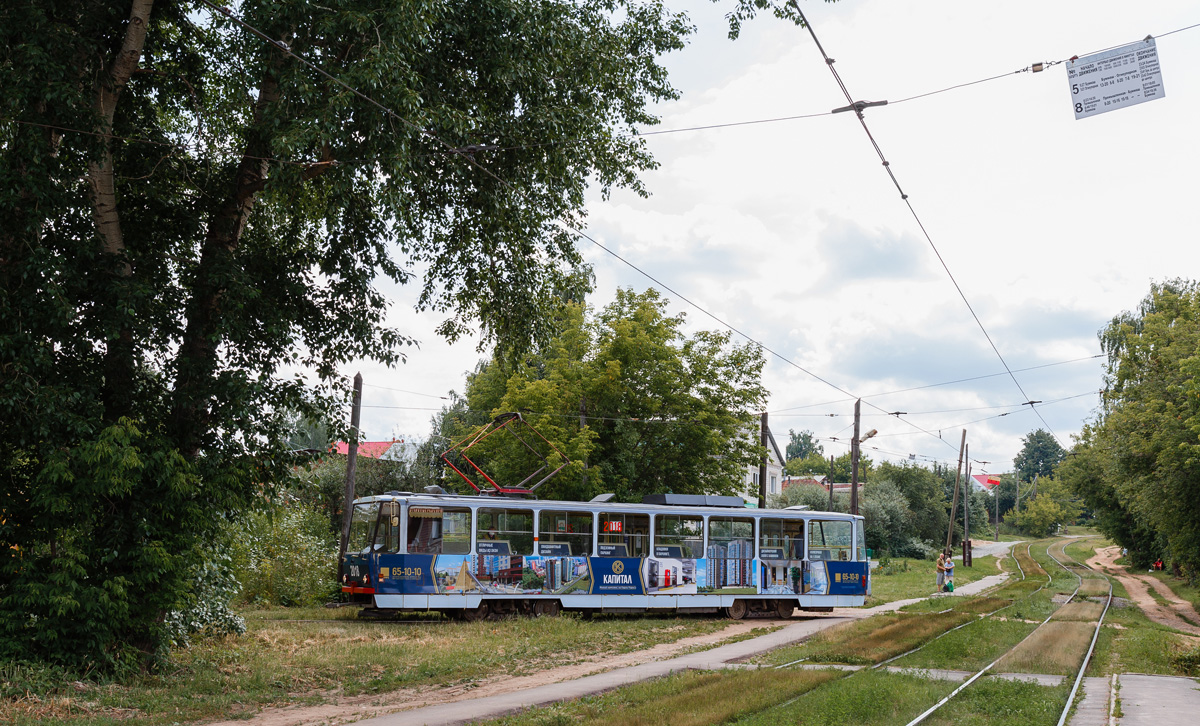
x: 793, y: 233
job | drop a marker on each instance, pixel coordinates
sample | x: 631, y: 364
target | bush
x: 1186, y: 662
x: 914, y: 548
x: 285, y: 555
x: 206, y: 610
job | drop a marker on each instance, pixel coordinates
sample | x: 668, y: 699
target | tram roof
x: 483, y: 501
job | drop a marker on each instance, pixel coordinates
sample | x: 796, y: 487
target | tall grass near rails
x: 1093, y: 587
x: 1085, y: 612
x: 869, y: 641
x: 688, y: 699
x: 958, y: 604
x: 1057, y: 648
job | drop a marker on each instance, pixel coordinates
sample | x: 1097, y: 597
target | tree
x: 636, y: 406
x: 188, y: 214
x: 1038, y: 456
x: 801, y: 446
x: 1143, y: 456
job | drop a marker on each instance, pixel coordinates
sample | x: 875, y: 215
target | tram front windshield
x: 361, y: 523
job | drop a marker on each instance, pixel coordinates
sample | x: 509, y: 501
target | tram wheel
x: 548, y: 608
x: 476, y: 613
x: 784, y: 608
x: 738, y: 610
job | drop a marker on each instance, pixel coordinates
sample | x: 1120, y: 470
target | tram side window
x: 678, y: 536
x: 731, y: 538
x: 624, y: 535
x: 564, y: 534
x: 830, y: 540
x: 510, y: 529
x: 860, y: 542
x: 362, y: 521
x: 781, y: 537
x: 439, y: 530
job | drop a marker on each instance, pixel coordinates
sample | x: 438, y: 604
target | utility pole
x: 954, y: 505
x: 967, y: 512
x: 351, y: 468
x: 830, y: 483
x: 854, y: 454
x: 996, y: 496
x: 854, y: 458
x: 762, y: 467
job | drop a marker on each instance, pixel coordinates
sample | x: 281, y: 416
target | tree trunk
x: 119, y: 356
x: 197, y: 359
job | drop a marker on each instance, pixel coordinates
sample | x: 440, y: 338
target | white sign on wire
x: 1115, y: 78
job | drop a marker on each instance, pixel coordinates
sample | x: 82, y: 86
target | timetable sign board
x: 1115, y: 78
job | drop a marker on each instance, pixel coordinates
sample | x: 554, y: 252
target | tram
x: 473, y: 556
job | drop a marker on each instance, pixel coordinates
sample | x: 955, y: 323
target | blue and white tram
x: 472, y: 556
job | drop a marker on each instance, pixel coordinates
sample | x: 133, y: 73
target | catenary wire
x: 829, y: 63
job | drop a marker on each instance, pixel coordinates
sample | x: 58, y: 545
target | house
x: 394, y: 450
x: 774, y: 470
x: 985, y: 482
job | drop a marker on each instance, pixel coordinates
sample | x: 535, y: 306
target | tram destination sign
x: 1116, y: 78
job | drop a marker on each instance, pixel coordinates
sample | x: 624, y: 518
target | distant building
x: 774, y: 469
x: 985, y: 482
x: 394, y: 450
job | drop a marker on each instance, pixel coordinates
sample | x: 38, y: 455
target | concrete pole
x: 854, y: 459
x: 830, y: 483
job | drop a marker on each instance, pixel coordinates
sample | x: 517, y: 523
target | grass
x: 285, y: 663
x: 893, y: 699
x: 866, y: 698
x: 868, y: 641
x: 970, y: 648
x: 996, y: 702
x: 1057, y: 648
x: 687, y: 699
x: 920, y: 579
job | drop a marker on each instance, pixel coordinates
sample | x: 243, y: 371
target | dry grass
x: 1029, y: 565
x: 1087, y: 612
x: 982, y: 605
x: 1056, y: 648
x: 875, y: 639
x: 1093, y: 586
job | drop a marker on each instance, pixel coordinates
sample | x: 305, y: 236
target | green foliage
x: 1186, y: 661
x: 1053, y: 505
x: 636, y: 406
x: 1137, y: 466
x: 815, y: 463
x: 801, y: 446
x: 813, y: 496
x: 1038, y: 456
x: 206, y: 605
x: 286, y: 555
x: 321, y: 485
x: 188, y: 215
x: 928, y: 506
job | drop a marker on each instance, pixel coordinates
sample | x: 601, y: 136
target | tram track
x: 1086, y: 659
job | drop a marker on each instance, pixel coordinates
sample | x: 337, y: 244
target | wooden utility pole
x: 967, y: 512
x: 351, y: 469
x: 962, y: 448
x: 762, y: 467
x: 830, y: 483
x: 854, y: 458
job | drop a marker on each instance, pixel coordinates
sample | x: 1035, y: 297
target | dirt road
x: 1138, y: 587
